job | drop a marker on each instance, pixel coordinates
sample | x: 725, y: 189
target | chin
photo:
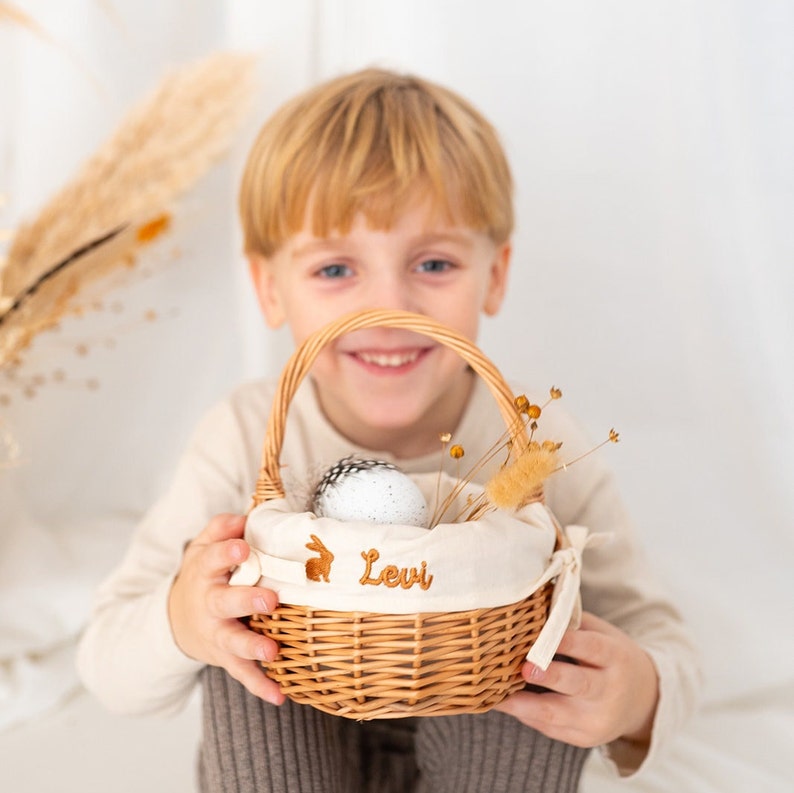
x: 394, y: 417
x: 403, y: 421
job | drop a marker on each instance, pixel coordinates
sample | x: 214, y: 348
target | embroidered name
x: 393, y: 576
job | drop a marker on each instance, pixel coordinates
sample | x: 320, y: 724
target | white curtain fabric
x: 652, y: 281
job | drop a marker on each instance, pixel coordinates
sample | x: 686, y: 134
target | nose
x: 392, y: 291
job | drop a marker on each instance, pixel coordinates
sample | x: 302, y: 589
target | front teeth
x: 389, y: 359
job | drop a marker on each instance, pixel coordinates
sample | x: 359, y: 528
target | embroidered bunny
x: 318, y: 568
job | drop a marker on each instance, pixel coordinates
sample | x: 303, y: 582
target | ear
x: 497, y: 280
x: 264, y: 281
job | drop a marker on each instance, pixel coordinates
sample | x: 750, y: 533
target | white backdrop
x: 653, y: 281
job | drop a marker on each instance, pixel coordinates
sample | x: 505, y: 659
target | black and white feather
x: 373, y: 491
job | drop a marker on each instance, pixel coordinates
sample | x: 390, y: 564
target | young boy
x: 377, y: 190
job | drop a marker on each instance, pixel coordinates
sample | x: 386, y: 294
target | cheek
x: 305, y: 317
x: 325, y: 368
x: 449, y: 366
x: 462, y: 312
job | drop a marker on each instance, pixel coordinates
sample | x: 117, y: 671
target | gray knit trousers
x: 250, y: 746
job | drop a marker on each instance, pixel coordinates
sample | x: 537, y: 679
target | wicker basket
x: 366, y: 665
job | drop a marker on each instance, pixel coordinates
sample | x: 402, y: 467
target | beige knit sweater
x: 128, y: 657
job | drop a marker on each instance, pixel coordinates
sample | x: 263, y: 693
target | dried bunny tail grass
x: 521, y: 481
x: 161, y: 147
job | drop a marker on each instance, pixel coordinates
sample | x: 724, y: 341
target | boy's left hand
x: 610, y: 692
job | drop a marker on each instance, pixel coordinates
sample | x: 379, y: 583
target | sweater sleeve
x: 619, y: 586
x: 127, y: 656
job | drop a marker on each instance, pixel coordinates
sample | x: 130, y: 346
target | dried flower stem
x: 445, y: 438
x: 613, y: 438
x: 502, y: 442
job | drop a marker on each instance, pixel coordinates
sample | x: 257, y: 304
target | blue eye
x: 335, y: 271
x: 434, y: 266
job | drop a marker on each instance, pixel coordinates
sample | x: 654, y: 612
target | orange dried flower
x: 456, y: 451
x: 154, y: 228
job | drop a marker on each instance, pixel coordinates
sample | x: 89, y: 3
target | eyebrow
x: 426, y: 238
x: 444, y: 236
x: 315, y: 245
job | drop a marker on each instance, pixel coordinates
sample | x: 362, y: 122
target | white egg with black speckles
x: 370, y: 490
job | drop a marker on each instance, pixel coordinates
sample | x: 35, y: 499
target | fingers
x: 233, y: 602
x: 563, y: 677
x: 550, y: 714
x: 602, y: 685
x: 585, y: 647
x: 205, y: 611
x: 222, y: 527
x: 252, y: 676
x: 243, y: 643
x: 590, y: 622
x: 592, y: 644
x: 220, y: 547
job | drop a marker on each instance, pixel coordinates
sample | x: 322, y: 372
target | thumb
x: 223, y: 527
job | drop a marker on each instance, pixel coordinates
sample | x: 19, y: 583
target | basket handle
x: 269, y: 485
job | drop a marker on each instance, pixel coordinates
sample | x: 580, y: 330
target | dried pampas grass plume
x: 10, y: 13
x: 94, y: 223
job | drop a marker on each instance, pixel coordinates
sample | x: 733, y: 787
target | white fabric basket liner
x: 499, y: 559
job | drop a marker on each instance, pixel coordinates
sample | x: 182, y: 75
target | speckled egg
x: 370, y: 490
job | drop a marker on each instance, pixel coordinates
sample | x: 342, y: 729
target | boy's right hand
x: 204, y: 610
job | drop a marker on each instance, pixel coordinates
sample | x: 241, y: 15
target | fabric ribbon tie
x: 565, y: 611
x: 251, y: 570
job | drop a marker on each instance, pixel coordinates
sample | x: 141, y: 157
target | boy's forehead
x: 422, y: 214
x: 410, y: 227
x: 306, y: 243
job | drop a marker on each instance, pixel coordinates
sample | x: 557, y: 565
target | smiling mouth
x: 389, y: 360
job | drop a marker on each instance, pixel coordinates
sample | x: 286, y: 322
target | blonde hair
x: 367, y: 142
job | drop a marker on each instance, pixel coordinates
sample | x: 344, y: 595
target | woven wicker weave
x: 366, y: 665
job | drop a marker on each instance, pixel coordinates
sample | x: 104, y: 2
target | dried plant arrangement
x: 520, y: 477
x: 120, y: 199
x: 518, y: 481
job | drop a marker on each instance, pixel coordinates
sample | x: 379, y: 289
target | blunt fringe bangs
x: 371, y: 142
